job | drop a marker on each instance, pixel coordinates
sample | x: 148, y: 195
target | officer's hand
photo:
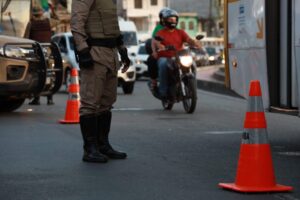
x: 85, y: 58
x: 124, y: 59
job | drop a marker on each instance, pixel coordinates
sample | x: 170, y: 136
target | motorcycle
x: 181, y: 79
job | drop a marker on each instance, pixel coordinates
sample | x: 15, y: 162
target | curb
x: 216, y: 87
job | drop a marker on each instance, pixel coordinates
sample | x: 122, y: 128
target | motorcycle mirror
x: 199, y: 37
x: 158, y: 38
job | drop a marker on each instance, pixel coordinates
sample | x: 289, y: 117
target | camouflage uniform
x: 96, y: 19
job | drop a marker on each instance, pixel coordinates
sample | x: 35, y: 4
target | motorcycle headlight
x: 186, y: 60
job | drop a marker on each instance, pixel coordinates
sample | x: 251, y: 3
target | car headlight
x: 12, y: 51
x: 138, y: 61
x: 199, y: 57
x: 211, y: 58
x: 186, y: 60
x: 17, y: 52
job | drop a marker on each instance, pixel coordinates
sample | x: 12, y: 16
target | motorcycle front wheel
x: 190, y: 100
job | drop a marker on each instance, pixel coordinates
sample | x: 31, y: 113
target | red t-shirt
x: 176, y: 38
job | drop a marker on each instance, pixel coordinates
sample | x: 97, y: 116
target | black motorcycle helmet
x: 167, y: 14
x: 161, y: 13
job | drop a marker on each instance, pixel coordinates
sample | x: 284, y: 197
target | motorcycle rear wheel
x: 190, y: 100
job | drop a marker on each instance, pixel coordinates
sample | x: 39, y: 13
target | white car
x: 65, y: 42
x: 127, y: 80
x: 141, y: 61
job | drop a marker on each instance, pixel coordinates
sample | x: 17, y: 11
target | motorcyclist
x: 171, y: 36
x: 150, y: 46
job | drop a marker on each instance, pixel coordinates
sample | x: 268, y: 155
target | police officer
x: 94, y: 25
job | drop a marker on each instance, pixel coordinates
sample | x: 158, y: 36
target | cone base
x: 63, y: 121
x: 275, y: 188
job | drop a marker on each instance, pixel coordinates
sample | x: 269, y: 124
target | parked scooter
x: 181, y: 79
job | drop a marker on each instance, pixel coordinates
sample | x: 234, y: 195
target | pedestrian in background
x: 40, y: 31
x: 94, y: 25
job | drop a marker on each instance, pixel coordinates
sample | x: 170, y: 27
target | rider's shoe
x: 153, y: 84
x: 35, y: 102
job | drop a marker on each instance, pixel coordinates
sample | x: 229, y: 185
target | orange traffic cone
x: 73, y: 103
x: 255, y: 171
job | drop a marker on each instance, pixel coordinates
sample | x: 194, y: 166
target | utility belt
x: 103, y: 42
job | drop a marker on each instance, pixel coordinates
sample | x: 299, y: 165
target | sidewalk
x: 212, y: 78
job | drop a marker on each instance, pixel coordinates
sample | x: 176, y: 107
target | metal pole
x: 227, y: 72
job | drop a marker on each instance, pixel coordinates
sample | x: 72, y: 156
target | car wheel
x: 9, y: 105
x: 128, y: 87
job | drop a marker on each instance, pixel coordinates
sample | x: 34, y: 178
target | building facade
x: 196, y: 16
x: 210, y: 14
x: 144, y: 13
x: 190, y: 23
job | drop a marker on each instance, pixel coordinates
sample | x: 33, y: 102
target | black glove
x: 120, y: 41
x: 124, y: 58
x: 85, y: 58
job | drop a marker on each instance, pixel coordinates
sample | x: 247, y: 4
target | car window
x: 71, y: 41
x: 62, y: 44
x: 211, y: 50
x: 55, y: 39
x: 199, y: 51
x: 129, y: 38
x: 142, y: 50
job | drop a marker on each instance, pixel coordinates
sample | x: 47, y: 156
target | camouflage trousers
x: 98, y: 84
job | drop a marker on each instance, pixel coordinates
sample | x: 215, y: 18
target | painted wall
x: 247, y: 46
x: 189, y: 24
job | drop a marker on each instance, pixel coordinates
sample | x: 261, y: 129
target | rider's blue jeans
x: 163, y: 76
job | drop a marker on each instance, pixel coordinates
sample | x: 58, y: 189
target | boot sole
x: 115, y: 157
x: 94, y: 160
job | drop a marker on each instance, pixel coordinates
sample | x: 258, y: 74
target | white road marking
x: 223, y: 132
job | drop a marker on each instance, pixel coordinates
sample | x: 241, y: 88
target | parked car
x: 65, y: 42
x: 141, y: 61
x: 27, y: 69
x: 201, y: 57
x: 213, y: 55
x: 127, y: 80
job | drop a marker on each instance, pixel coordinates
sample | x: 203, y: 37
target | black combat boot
x: 104, y: 121
x: 88, y: 125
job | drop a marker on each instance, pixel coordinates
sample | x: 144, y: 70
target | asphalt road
x: 171, y: 155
